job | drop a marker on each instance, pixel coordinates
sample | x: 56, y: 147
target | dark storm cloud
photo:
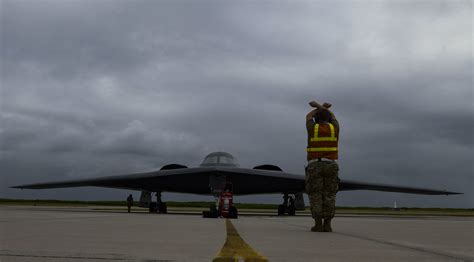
x: 98, y: 88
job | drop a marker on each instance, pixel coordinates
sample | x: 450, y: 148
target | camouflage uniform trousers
x: 321, y: 185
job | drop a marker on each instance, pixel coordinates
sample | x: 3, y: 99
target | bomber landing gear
x: 158, y: 206
x: 212, y: 213
x: 288, y: 206
x: 233, y: 213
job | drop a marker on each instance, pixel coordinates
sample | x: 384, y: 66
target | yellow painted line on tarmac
x: 235, y: 248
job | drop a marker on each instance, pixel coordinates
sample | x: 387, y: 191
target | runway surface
x: 85, y: 234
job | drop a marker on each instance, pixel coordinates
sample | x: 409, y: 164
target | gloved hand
x: 327, y: 105
x: 317, y: 105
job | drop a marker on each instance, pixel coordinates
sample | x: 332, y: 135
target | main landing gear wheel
x: 292, y: 210
x: 158, y: 208
x: 288, y: 206
x: 281, y: 210
x: 152, y: 207
x: 162, y: 208
x: 233, y: 212
x: 212, y: 213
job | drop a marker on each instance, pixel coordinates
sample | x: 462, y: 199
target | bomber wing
x: 356, y: 185
x: 190, y: 180
x: 186, y: 180
x: 245, y: 181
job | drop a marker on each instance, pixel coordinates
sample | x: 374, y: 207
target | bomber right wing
x: 346, y: 185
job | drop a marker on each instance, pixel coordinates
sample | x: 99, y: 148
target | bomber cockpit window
x: 211, y: 160
x: 219, y: 159
x: 225, y: 160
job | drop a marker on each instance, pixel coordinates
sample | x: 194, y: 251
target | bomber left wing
x: 190, y: 180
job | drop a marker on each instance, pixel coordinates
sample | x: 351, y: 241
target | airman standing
x: 129, y: 202
x: 321, y: 181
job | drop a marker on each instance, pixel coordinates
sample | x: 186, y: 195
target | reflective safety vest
x: 323, y: 142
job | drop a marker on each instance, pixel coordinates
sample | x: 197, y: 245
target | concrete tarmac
x: 85, y: 234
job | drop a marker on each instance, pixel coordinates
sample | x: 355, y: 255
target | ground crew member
x: 129, y: 202
x: 321, y: 180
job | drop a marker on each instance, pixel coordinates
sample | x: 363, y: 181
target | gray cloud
x: 99, y: 88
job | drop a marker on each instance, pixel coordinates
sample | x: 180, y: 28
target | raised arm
x: 334, y: 120
x: 310, y: 119
x: 310, y: 115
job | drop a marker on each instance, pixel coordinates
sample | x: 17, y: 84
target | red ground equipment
x: 225, y: 203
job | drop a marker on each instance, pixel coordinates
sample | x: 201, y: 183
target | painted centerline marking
x: 236, y: 249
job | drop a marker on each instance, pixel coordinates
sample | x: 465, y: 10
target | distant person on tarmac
x: 129, y: 202
x: 321, y: 180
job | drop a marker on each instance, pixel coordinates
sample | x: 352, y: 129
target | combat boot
x: 318, y: 225
x: 327, y: 225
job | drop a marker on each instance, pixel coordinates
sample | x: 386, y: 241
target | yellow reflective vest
x: 323, y: 141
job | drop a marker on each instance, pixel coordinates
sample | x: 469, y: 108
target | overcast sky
x: 96, y: 88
